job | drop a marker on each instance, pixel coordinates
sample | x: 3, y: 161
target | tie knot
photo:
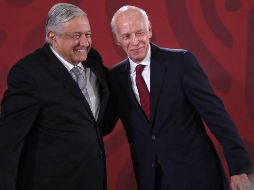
x: 139, y: 69
x: 77, y: 70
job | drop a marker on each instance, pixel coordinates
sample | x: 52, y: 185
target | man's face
x: 133, y: 35
x: 74, y: 40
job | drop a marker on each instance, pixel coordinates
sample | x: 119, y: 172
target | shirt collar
x: 145, y: 61
x: 68, y: 65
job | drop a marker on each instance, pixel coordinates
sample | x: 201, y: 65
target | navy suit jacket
x: 49, y: 139
x: 181, y: 99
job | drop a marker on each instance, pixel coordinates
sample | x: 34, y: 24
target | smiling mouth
x: 81, y: 51
x: 137, y: 49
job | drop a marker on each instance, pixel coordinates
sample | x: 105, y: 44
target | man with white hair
x: 162, y: 97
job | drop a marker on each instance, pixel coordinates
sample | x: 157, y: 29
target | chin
x: 82, y: 59
x: 139, y: 59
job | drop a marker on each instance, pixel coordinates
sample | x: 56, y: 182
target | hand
x: 240, y: 182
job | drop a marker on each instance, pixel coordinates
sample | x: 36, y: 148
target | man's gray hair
x: 61, y: 13
x: 127, y: 8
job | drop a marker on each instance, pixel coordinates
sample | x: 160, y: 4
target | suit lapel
x: 60, y: 73
x: 103, y: 91
x: 157, y: 74
x: 126, y: 82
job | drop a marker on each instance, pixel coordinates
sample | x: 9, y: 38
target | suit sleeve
x: 111, y: 114
x: 211, y: 109
x: 19, y: 108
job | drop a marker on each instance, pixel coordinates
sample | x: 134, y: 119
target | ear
x: 52, y: 37
x: 150, y: 33
x: 116, y: 39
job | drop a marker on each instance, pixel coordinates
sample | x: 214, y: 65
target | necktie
x: 143, y: 90
x: 81, y: 80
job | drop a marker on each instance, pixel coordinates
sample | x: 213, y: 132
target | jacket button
x: 100, y: 154
x: 156, y: 164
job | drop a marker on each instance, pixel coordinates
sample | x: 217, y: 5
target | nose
x: 84, y: 40
x: 134, y: 40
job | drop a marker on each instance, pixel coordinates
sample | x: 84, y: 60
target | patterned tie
x: 143, y: 90
x: 76, y: 73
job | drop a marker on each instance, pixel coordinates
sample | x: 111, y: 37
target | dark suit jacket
x: 49, y: 139
x: 181, y: 98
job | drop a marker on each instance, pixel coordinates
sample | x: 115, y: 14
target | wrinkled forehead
x: 130, y: 20
x: 129, y: 15
x: 76, y: 24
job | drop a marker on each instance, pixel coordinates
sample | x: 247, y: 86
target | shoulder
x: 34, y: 58
x: 166, y: 52
x: 28, y: 61
x: 119, y: 70
x: 29, y: 65
x: 121, y: 66
x: 173, y: 55
x: 93, y: 54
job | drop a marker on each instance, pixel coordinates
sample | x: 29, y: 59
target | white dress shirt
x: 91, y: 85
x: 145, y: 73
